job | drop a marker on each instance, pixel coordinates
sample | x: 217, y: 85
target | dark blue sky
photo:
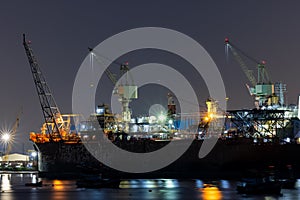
x: 62, y: 31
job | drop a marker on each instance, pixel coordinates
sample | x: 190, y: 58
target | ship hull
x: 228, y: 159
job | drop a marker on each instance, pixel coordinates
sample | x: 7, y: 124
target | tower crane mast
x: 52, y: 116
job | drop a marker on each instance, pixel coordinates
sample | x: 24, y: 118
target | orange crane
x: 53, y: 119
x: 56, y: 127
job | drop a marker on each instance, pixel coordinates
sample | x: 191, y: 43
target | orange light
x: 211, y: 193
x: 58, y: 185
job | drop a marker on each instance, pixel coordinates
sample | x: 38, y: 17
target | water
x: 12, y: 187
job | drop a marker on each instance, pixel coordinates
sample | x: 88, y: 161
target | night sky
x: 62, y: 32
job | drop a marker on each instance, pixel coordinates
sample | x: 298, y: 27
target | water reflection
x: 199, y: 184
x: 153, y: 183
x: 211, y: 192
x: 58, y: 185
x: 34, y: 178
x: 225, y: 184
x: 13, y: 187
x: 5, y: 182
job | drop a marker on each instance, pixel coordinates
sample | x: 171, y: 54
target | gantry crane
x: 53, y: 119
x: 261, y: 88
x: 126, y: 91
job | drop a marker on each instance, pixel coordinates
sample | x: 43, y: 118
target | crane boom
x: 50, y: 110
x: 109, y: 74
x: 262, y: 74
x: 247, y: 72
x: 262, y: 89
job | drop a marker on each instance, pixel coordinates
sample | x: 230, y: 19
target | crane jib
x: 50, y: 110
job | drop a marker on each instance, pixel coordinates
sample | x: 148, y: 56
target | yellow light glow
x: 58, y: 185
x: 206, y: 119
x: 211, y: 193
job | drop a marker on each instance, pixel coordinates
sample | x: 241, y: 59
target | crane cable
x: 243, y: 53
x: 109, y: 74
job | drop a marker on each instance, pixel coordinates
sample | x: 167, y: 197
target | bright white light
x: 152, y: 119
x: 170, y: 121
x: 100, y: 110
x: 162, y: 117
x: 85, y: 136
x: 34, y: 154
x: 288, y: 140
x: 5, y: 137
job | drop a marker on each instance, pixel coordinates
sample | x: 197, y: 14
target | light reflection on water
x: 211, y: 192
x: 12, y: 186
x: 5, y: 182
x: 153, y: 183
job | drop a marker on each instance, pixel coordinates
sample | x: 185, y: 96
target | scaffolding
x: 257, y: 123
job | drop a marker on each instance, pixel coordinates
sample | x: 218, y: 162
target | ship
x: 247, y: 139
x: 234, y: 153
x: 229, y: 158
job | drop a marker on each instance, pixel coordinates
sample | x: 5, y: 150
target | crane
x: 52, y: 116
x: 240, y: 61
x: 9, y: 136
x: 126, y: 92
x: 261, y: 88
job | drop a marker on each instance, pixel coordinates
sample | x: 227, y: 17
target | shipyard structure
x: 266, y: 135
